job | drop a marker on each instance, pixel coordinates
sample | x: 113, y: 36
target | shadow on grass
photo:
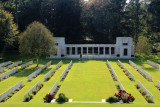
x: 151, y: 69
x: 60, y: 102
x: 25, y: 72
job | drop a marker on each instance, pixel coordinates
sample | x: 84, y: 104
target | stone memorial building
x: 123, y: 48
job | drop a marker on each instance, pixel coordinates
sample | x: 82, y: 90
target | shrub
x: 144, y: 93
x: 130, y: 77
x: 112, y: 99
x: 34, y: 91
x: 27, y: 99
x: 48, y: 77
x: 127, y: 73
x: 62, y: 98
x: 137, y: 86
x: 48, y: 98
x: 41, y: 85
x: 30, y: 95
x: 147, y: 97
x: 122, y: 67
x: 140, y: 90
x: 124, y: 96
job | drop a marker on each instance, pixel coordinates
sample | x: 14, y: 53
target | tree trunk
x: 142, y: 58
x: 37, y: 61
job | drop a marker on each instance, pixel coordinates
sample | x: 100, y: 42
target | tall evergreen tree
x: 64, y: 18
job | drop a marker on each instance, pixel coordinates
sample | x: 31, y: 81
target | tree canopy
x: 37, y: 40
x: 8, y: 29
x: 93, y: 21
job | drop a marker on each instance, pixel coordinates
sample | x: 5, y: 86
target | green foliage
x: 37, y: 40
x: 48, y: 77
x: 29, y: 97
x: 112, y: 99
x: 41, y: 85
x: 8, y: 29
x: 147, y: 97
x: 35, y: 91
x: 62, y: 98
x: 141, y: 90
x: 127, y: 73
x: 143, y: 47
x: 154, y: 10
x: 130, y: 77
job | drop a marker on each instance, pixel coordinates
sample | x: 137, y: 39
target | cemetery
x: 79, y: 53
x: 87, y: 77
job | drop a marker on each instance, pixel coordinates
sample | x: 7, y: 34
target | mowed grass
x: 150, y: 86
x: 19, y: 97
x: 87, y: 80
x: 128, y: 85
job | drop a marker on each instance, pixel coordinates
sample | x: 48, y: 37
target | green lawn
x: 87, y: 81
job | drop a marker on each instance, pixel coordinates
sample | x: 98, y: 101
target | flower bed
x: 35, y: 91
x: 128, y: 75
x: 144, y: 94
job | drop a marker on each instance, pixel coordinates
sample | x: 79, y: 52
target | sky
x: 127, y: 1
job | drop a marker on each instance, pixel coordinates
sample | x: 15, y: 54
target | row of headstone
x: 7, y: 74
x: 120, y: 63
x: 158, y: 84
x: 35, y: 73
x: 63, y: 74
x: 121, y: 86
x: 59, y: 65
x: 8, y: 92
x: 70, y: 65
x: 5, y: 64
x: 47, y: 65
x: 141, y: 86
x: 132, y: 64
x: 32, y: 89
x: 130, y: 73
x: 145, y: 73
x: 49, y: 73
x: 108, y: 64
x: 113, y: 72
x: 14, y: 64
x: 27, y: 64
x: 153, y: 64
x: 1, y: 70
x: 53, y: 89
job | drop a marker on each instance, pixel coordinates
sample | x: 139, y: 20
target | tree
x: 133, y: 19
x: 101, y: 19
x: 154, y: 8
x: 37, y: 40
x: 28, y: 11
x: 8, y: 29
x: 143, y: 47
x: 63, y: 18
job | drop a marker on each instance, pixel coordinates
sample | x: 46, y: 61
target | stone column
x: 87, y: 50
x: 70, y: 51
x: 82, y: 50
x: 98, y: 50
x: 104, y: 51
x: 92, y: 50
x: 110, y: 51
x: 76, y: 50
